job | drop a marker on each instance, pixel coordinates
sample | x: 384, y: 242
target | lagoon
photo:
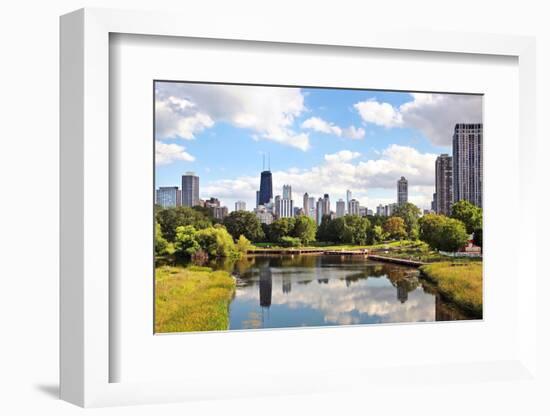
x: 326, y: 290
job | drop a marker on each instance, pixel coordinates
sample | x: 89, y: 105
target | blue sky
x: 318, y: 140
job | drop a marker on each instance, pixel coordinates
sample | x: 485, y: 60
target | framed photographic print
x: 292, y: 242
x: 279, y: 189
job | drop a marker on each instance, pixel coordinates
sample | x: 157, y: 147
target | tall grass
x: 460, y: 283
x: 192, y: 299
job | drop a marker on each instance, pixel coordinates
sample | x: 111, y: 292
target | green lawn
x: 192, y: 299
x: 459, y: 282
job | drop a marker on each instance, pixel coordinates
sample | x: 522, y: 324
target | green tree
x: 430, y: 229
x: 216, y: 241
x: 186, y: 243
x: 375, y: 234
x: 410, y: 213
x: 281, y: 227
x: 244, y: 223
x: 172, y: 218
x: 470, y: 214
x: 478, y: 237
x: 287, y: 241
x: 161, y: 245
x: 395, y: 227
x: 243, y: 245
x: 323, y: 231
x: 354, y: 230
x: 304, y: 229
x: 453, y: 235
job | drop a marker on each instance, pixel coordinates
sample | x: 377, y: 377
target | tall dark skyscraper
x: 468, y: 163
x: 443, y: 184
x: 189, y: 189
x: 266, y: 188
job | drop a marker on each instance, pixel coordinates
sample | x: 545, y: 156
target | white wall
x: 29, y: 184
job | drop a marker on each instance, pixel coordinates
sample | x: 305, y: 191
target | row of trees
x: 190, y: 230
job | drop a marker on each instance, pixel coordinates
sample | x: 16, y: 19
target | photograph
x: 281, y: 206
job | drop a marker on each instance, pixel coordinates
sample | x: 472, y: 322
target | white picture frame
x: 85, y: 212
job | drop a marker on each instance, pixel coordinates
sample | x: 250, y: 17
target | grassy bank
x: 460, y: 282
x: 192, y: 299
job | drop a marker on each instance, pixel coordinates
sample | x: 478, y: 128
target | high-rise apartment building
x: 326, y: 205
x: 168, y: 196
x: 189, y: 189
x: 284, y: 208
x: 311, y: 205
x: 353, y: 207
x: 319, y: 212
x: 287, y: 192
x: 340, y: 208
x: 468, y: 163
x: 306, y: 204
x: 240, y: 206
x: 443, y: 184
x: 219, y: 213
x: 348, y: 198
x: 402, y: 191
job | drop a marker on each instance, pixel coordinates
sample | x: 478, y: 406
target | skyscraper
x: 311, y: 207
x: 189, y: 189
x: 443, y: 184
x: 319, y: 211
x: 468, y: 163
x: 326, y: 205
x: 240, y: 206
x: 402, y: 191
x: 284, y: 207
x: 266, y: 188
x: 287, y: 192
x: 348, y: 198
x: 306, y: 204
x: 168, y: 196
x: 353, y: 207
x: 340, y: 208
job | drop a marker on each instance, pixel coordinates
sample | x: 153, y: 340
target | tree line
x: 193, y: 231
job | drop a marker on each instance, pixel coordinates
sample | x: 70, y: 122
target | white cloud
x: 372, y: 182
x: 381, y: 114
x: 435, y: 115
x: 166, y: 153
x: 342, y: 156
x: 269, y: 113
x: 322, y: 126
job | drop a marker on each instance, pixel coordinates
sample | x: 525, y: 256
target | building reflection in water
x: 402, y: 293
x: 287, y: 284
x: 266, y: 283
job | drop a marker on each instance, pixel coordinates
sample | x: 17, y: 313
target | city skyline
x: 320, y: 141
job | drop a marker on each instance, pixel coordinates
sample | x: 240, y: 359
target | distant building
x: 311, y: 206
x: 266, y: 188
x: 284, y: 208
x: 443, y: 184
x: 240, y: 206
x: 402, y: 191
x: 219, y: 213
x: 287, y: 192
x: 257, y: 198
x: 305, y: 204
x: 363, y: 211
x: 433, y: 202
x: 319, y: 212
x: 340, y: 208
x: 390, y: 209
x: 353, y: 207
x: 380, y: 210
x: 326, y: 204
x: 168, y: 196
x: 348, y: 198
x: 468, y: 163
x: 212, y: 203
x: 189, y: 189
x: 370, y: 212
x: 264, y: 215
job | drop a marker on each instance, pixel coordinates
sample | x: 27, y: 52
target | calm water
x: 285, y: 291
